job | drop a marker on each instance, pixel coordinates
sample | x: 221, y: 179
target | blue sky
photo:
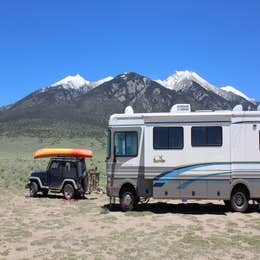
x: 41, y: 42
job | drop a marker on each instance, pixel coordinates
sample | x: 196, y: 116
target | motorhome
x: 184, y: 155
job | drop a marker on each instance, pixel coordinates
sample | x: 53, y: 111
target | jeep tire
x: 68, y: 191
x: 33, y: 189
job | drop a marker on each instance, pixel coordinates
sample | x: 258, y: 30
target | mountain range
x: 76, y: 99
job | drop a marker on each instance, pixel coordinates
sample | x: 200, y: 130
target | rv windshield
x: 126, y: 143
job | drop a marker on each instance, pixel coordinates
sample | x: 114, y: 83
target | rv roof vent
x: 258, y: 108
x: 182, y: 108
x: 129, y: 110
x: 238, y: 108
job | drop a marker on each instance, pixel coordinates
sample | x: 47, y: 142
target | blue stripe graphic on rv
x: 167, y: 176
x: 185, y: 184
x: 170, y: 175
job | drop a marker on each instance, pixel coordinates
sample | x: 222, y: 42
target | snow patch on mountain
x: 101, y: 81
x: 236, y: 92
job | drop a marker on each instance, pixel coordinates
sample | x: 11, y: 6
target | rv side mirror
x: 114, y: 154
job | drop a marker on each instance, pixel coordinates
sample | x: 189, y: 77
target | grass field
x: 48, y: 228
x: 20, y: 139
x: 16, y: 157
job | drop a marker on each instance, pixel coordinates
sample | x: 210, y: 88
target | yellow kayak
x: 63, y: 152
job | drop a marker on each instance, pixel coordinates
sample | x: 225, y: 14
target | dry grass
x: 50, y: 228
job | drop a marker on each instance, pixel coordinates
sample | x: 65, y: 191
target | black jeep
x: 63, y: 174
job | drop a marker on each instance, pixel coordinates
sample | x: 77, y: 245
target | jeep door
x: 56, y: 172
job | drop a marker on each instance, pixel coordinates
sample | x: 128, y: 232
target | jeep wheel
x: 68, y: 192
x: 239, y: 200
x: 33, y: 189
x: 127, y: 200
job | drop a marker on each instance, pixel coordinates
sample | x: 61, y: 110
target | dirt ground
x: 51, y: 228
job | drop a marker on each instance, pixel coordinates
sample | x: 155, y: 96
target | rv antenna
x: 129, y: 110
x: 238, y: 108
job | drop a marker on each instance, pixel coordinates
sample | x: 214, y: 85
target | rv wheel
x: 127, y: 200
x: 239, y: 200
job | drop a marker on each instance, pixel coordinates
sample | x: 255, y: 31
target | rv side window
x: 126, y: 144
x: 108, y: 143
x: 168, y: 137
x: 206, y: 136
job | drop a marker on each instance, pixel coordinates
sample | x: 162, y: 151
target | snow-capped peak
x: 237, y: 92
x: 72, y: 81
x: 173, y: 81
x: 77, y: 81
x: 182, y: 79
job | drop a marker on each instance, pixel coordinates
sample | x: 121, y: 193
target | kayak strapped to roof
x: 63, y: 152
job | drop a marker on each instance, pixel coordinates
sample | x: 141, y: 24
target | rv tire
x: 127, y: 200
x: 239, y: 200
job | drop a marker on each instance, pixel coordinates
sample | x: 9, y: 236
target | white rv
x: 184, y: 155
